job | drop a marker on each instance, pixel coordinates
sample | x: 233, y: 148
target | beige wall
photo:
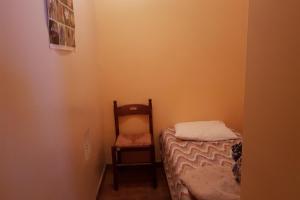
x: 189, y: 56
x: 48, y: 101
x: 271, y: 164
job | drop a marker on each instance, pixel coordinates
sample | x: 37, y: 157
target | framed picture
x: 61, y: 24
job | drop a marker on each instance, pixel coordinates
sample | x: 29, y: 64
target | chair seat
x: 133, y: 140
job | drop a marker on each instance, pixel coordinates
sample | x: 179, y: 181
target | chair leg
x: 154, y: 179
x: 115, y: 170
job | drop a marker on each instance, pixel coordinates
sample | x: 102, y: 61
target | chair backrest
x: 133, y: 109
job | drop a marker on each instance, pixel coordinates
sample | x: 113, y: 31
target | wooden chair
x: 137, y: 142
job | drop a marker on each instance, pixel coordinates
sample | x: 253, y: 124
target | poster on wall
x: 61, y: 24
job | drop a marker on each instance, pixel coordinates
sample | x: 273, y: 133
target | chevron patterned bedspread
x: 179, y: 156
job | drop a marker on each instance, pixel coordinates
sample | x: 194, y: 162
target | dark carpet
x: 135, y: 184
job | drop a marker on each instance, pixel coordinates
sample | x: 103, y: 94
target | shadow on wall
x: 34, y: 131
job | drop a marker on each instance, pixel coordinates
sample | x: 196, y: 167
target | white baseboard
x: 100, y: 180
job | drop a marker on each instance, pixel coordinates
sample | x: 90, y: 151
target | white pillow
x: 204, y: 131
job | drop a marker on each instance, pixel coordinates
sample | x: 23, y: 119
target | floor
x: 135, y: 184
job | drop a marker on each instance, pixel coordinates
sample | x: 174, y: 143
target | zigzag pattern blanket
x: 178, y: 156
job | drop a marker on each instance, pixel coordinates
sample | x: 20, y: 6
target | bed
x: 178, y: 156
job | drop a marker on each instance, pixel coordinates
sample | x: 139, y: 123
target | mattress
x: 179, y: 156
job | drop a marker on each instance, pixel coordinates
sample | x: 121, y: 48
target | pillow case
x: 204, y: 131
